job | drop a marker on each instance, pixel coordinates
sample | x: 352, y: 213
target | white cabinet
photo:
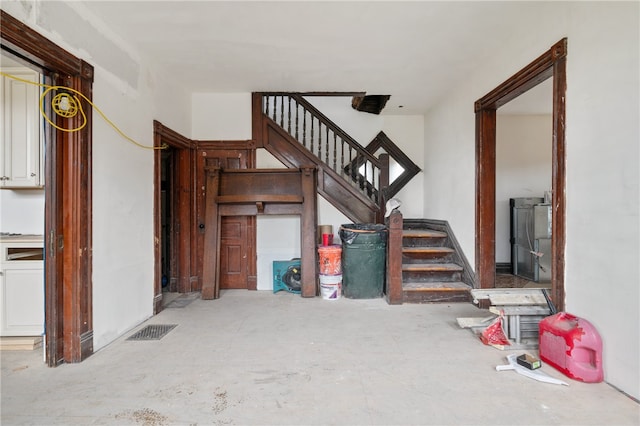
x: 22, y: 287
x: 21, y: 153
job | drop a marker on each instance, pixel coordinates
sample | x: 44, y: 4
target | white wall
x: 602, y: 267
x: 523, y: 168
x: 601, y: 275
x: 131, y: 93
x: 221, y: 116
x: 22, y: 211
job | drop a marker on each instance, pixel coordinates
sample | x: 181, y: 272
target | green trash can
x: 364, y: 253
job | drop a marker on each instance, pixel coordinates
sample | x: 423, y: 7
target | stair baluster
x: 289, y: 117
x: 304, y: 129
x: 311, y: 140
x: 356, y: 166
x: 297, y: 121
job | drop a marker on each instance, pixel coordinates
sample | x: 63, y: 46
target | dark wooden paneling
x: 260, y: 191
x: 227, y: 155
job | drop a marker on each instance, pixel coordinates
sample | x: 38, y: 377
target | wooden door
x: 237, y: 236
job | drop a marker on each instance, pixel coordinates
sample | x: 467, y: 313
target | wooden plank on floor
x: 517, y: 299
x: 510, y: 296
x: 27, y: 343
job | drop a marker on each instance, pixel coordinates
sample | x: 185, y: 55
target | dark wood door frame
x: 185, y: 238
x: 182, y: 235
x: 551, y: 64
x: 68, y: 211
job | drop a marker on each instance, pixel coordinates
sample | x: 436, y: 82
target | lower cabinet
x: 21, y: 290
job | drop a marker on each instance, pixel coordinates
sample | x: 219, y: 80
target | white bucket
x: 330, y: 286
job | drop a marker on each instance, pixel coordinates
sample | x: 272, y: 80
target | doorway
x: 173, y: 200
x: 179, y: 223
x: 523, y: 189
x: 551, y: 64
x: 68, y: 205
x: 167, y: 223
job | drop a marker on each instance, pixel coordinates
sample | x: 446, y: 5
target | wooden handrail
x: 336, y: 129
x: 325, y: 140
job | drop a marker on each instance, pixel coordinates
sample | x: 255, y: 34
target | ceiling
x: 414, y: 51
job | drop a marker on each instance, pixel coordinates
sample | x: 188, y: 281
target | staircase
x: 429, y: 269
x: 425, y: 263
x: 351, y: 178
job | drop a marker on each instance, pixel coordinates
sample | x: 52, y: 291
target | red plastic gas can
x: 573, y: 346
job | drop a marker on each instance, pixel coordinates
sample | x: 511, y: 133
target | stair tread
x: 423, y: 233
x: 437, y: 285
x: 427, y: 249
x: 431, y: 267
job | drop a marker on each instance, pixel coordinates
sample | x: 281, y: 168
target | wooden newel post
x: 309, y: 227
x: 210, y: 287
x: 393, y: 292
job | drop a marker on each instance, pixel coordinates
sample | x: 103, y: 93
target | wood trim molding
x: 68, y: 198
x: 382, y: 141
x: 235, y: 144
x: 530, y: 76
x: 169, y: 137
x: 23, y: 41
x: 77, y: 232
x: 551, y: 64
x: 558, y: 225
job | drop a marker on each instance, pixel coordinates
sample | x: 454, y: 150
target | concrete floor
x: 257, y: 358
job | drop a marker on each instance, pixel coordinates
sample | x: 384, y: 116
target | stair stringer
x: 336, y: 190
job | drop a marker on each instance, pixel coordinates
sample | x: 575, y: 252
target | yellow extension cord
x: 67, y: 106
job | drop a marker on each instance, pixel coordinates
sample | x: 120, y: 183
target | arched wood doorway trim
x: 551, y: 64
x: 68, y: 214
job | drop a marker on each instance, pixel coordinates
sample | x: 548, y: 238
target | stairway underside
x: 334, y: 188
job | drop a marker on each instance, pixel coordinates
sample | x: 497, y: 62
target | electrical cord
x: 67, y: 104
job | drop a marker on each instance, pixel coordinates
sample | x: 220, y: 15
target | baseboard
x: 503, y: 268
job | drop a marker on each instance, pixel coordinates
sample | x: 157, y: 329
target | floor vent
x: 152, y: 332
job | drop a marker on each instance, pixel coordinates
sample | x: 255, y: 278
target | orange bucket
x: 330, y: 259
